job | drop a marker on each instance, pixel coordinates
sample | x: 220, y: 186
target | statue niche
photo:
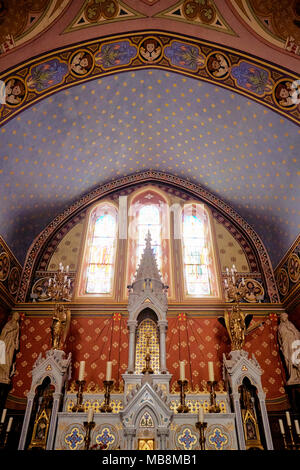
x: 250, y: 415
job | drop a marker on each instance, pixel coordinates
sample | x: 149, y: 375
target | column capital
x: 131, y: 323
x: 162, y: 324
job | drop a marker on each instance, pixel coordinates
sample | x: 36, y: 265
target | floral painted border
x: 49, y: 73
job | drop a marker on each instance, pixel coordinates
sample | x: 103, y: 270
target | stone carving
x: 10, y: 337
x: 288, y: 335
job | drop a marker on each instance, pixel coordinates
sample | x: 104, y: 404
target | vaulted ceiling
x: 65, y: 145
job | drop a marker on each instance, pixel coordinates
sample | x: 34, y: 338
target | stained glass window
x: 101, y: 256
x: 149, y: 219
x: 195, y: 252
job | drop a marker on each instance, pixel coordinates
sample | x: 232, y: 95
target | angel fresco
x: 15, y: 91
x: 81, y: 63
x: 218, y: 65
x: 150, y: 49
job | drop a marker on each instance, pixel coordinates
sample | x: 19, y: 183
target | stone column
x: 53, y: 420
x: 163, y: 325
x: 22, y: 441
x: 162, y: 434
x: 238, y: 419
x: 265, y: 419
x: 131, y: 324
x: 129, y: 434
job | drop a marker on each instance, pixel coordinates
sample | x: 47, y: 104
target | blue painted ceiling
x: 79, y: 138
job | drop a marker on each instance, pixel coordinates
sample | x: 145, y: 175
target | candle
x: 288, y: 418
x: 211, y: 376
x: 281, y: 426
x: 67, y: 269
x: 3, y: 415
x: 90, y: 415
x: 81, y: 370
x: 108, y: 370
x: 9, y: 424
x: 201, y: 415
x: 182, y: 370
x: 297, y: 427
x: 227, y: 270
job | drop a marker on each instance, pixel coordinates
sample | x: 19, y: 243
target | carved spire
x: 148, y: 268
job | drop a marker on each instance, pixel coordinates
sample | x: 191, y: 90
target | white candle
x: 201, y: 415
x: 211, y: 376
x: 67, y: 269
x: 3, y: 415
x: 9, y: 424
x: 81, y: 370
x: 227, y: 270
x: 288, y: 418
x: 182, y: 370
x: 108, y: 370
x: 297, y: 427
x: 90, y: 415
x: 281, y: 426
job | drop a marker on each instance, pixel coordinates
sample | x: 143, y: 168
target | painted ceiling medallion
x: 201, y: 12
x: 276, y: 21
x: 95, y: 12
x: 22, y: 20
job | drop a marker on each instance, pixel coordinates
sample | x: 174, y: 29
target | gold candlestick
x: 106, y: 408
x: 201, y: 427
x: 292, y: 444
x: 182, y: 408
x: 88, y: 425
x: 214, y: 408
x: 79, y: 406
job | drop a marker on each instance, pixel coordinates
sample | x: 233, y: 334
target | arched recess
x: 195, y: 190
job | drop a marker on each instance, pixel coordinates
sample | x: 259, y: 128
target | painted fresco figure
x: 14, y: 91
x: 289, y: 341
x: 284, y: 94
x: 81, y: 63
x: 217, y: 65
x: 150, y: 49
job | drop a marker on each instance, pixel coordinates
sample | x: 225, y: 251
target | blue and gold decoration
x: 75, y: 438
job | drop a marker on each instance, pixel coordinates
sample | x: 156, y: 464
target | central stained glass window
x: 102, y: 253
x: 195, y: 251
x: 149, y: 219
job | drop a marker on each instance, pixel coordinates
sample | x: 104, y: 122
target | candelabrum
x: 182, y: 408
x: 234, y: 288
x: 201, y: 427
x: 213, y: 408
x: 106, y: 408
x: 290, y: 444
x: 88, y: 426
x: 79, y: 406
x: 59, y: 287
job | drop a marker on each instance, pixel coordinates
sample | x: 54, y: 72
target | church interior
x: 149, y: 225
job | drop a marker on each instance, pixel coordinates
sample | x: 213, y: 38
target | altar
x: 147, y: 413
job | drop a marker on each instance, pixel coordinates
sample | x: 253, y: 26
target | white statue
x: 10, y: 337
x: 289, y: 340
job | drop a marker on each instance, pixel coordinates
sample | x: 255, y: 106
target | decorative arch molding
x: 213, y: 201
x: 241, y: 73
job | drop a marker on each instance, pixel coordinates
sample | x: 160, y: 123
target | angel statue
x: 60, y: 326
x: 237, y: 325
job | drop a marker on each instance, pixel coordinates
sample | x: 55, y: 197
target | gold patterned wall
x: 230, y: 252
